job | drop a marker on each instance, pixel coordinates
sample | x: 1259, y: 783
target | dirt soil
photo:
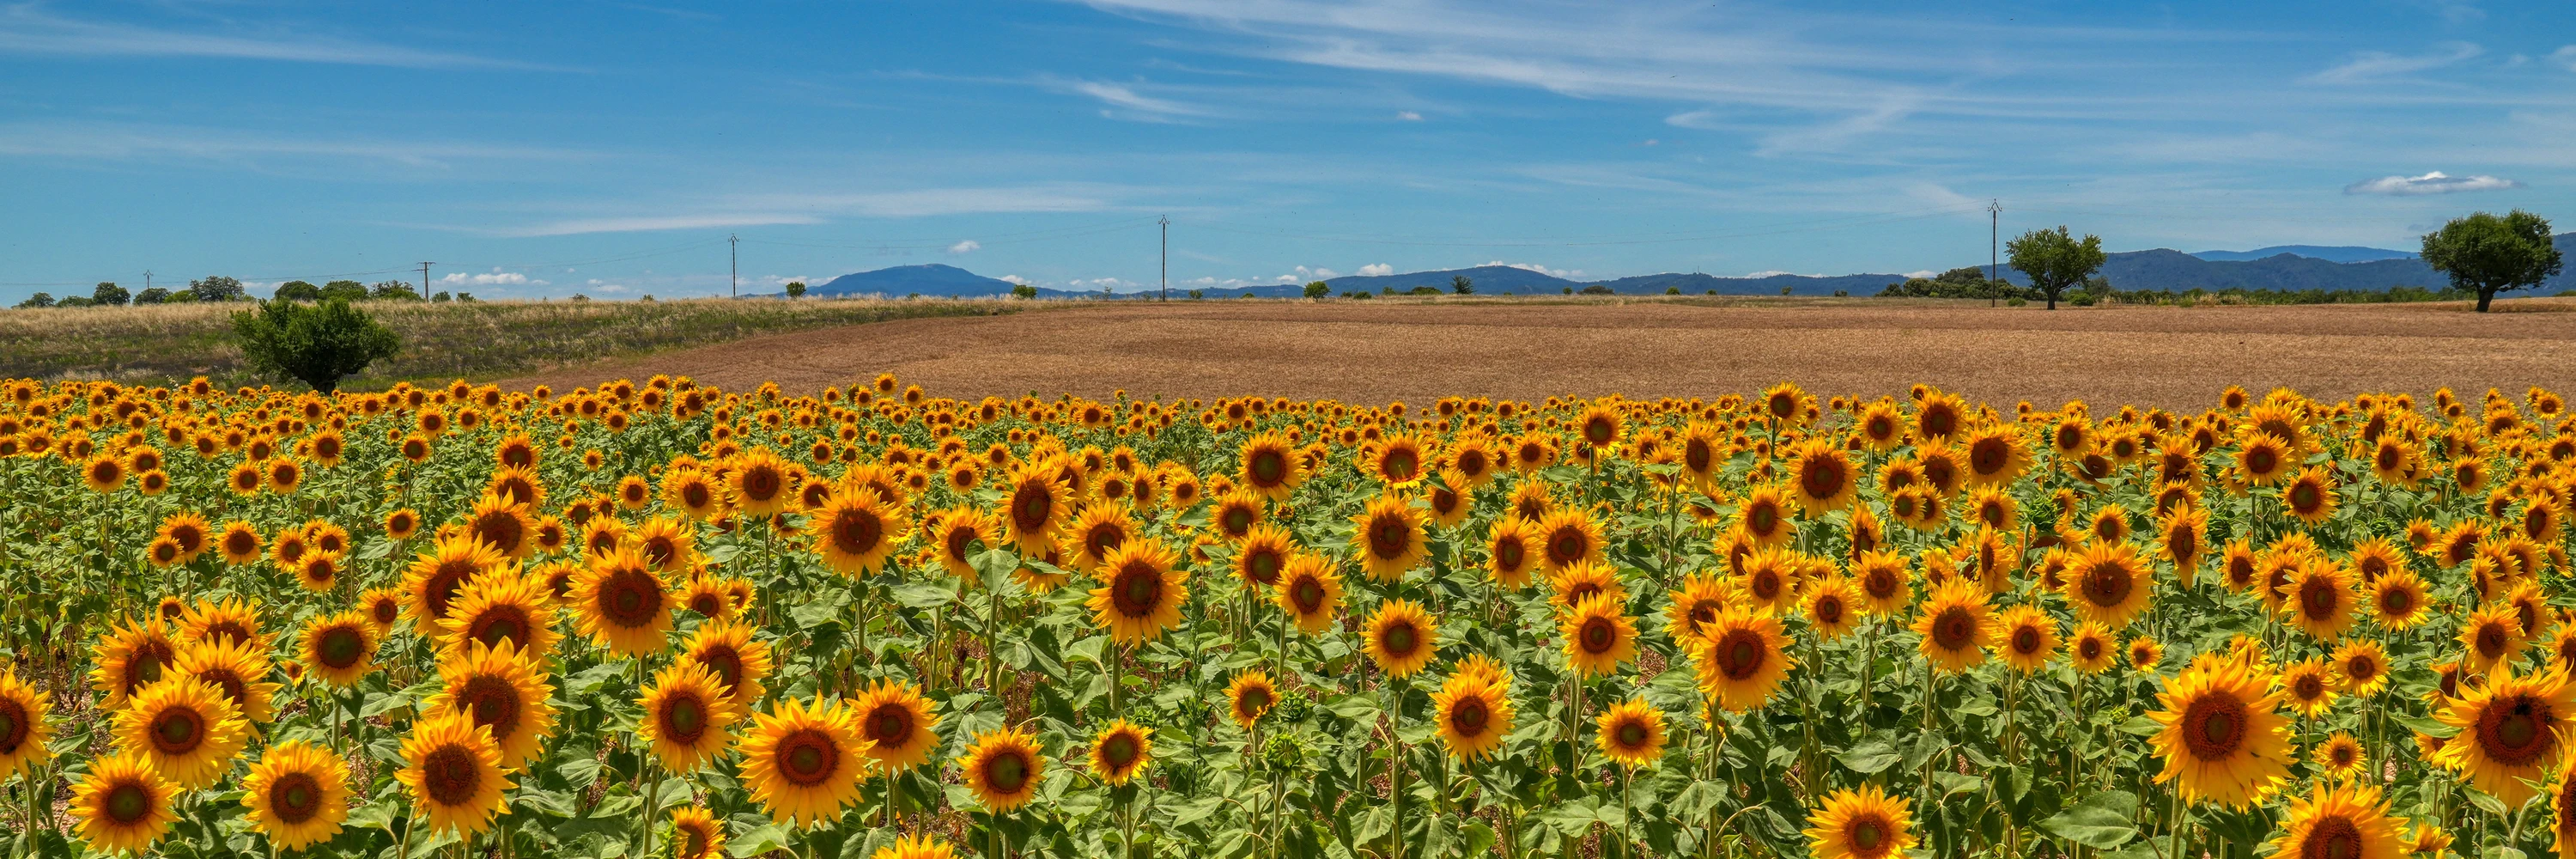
x: 1386, y: 350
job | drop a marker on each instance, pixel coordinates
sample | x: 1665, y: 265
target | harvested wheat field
x: 1384, y: 350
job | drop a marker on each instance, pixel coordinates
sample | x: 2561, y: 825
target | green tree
x: 216, y: 288
x: 1023, y: 291
x: 297, y: 290
x: 345, y: 290
x: 2489, y: 254
x: 41, y: 299
x: 109, y: 294
x: 796, y: 289
x: 317, y: 344
x: 155, y: 295
x: 1318, y: 289
x: 1462, y: 284
x: 2054, y: 260
x: 393, y: 290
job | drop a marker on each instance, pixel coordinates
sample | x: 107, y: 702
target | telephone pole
x: 147, y: 280
x: 1994, y: 246
x: 1167, y: 256
x: 735, y: 251
x: 424, y: 279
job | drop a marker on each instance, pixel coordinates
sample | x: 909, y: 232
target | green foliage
x: 154, y: 295
x: 344, y: 290
x: 1599, y: 289
x: 1423, y: 290
x: 796, y: 289
x: 41, y: 299
x: 1023, y: 291
x: 2487, y: 254
x: 2055, y: 260
x: 217, y: 288
x: 1318, y: 289
x: 393, y: 290
x: 1462, y: 284
x: 109, y: 294
x: 318, y: 345
x: 296, y: 290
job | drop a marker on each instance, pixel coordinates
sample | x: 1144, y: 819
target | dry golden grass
x: 1418, y: 350
x: 478, y: 340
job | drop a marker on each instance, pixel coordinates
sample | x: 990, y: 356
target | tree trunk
x: 2484, y: 296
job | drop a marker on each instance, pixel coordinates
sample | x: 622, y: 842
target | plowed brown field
x: 1379, y: 351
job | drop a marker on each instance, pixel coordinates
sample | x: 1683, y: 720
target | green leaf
x: 1871, y: 757
x: 2102, y: 821
x: 923, y: 594
x: 1355, y: 707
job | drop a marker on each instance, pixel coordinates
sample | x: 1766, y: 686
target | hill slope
x: 2329, y: 253
x: 946, y: 281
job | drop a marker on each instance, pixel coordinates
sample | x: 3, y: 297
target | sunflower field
x: 661, y: 619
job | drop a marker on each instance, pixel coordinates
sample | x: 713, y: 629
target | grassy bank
x: 160, y: 344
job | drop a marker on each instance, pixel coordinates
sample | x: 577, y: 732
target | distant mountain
x: 945, y: 281
x: 1490, y: 280
x: 1797, y: 284
x: 2329, y: 253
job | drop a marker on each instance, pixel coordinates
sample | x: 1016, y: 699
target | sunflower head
x: 1474, y: 711
x: 1389, y: 538
x: 2223, y: 739
x: 1401, y: 638
x: 1631, y: 733
x: 124, y: 804
x: 1598, y: 634
x: 1141, y: 591
x: 340, y: 648
x: 897, y: 721
x: 622, y: 604
x: 1120, y: 751
x: 687, y: 720
x: 2513, y: 730
x: 23, y: 729
x: 453, y: 772
x: 855, y: 532
x: 2347, y: 819
x: 1860, y: 824
x: 1956, y: 625
x: 503, y: 691
x: 804, y: 763
x: 738, y: 661
x: 696, y: 834
x: 1003, y: 769
x: 1740, y: 657
x: 298, y: 794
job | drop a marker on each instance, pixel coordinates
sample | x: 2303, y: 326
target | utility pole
x: 147, y: 280
x: 1994, y: 246
x: 1167, y: 256
x: 424, y: 279
x: 736, y: 252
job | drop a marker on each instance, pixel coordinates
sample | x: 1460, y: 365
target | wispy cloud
x: 90, y: 140
x: 2435, y: 182
x: 495, y: 277
x: 1125, y: 101
x: 2565, y: 57
x: 2375, y: 66
x: 758, y: 210
x: 27, y: 28
x: 965, y: 247
x: 649, y: 223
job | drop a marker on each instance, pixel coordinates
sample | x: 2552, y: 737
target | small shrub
x: 317, y: 345
x: 1597, y: 289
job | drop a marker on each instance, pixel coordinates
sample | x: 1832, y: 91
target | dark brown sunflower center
x: 2107, y: 584
x: 630, y: 598
x: 451, y: 774
x: 1389, y: 537
x: 1119, y: 750
x: 1137, y: 591
x: 2332, y: 836
x: 1470, y: 716
x: 340, y: 647
x: 1954, y: 630
x: 857, y: 532
x: 2319, y: 599
x: 13, y: 726
x: 1630, y: 734
x: 725, y: 661
x: 1308, y: 594
x: 684, y: 719
x: 2026, y: 640
x: 2515, y: 731
x: 1599, y: 635
x: 502, y: 623
x: 1269, y: 467
x: 178, y: 731
x: 890, y: 725
x: 1400, y: 639
x: 1031, y: 506
x: 1007, y: 772
x: 1740, y: 654
x: 127, y: 803
x: 493, y: 702
x: 807, y: 757
x: 1821, y: 477
x: 295, y: 798
x: 2214, y: 726
x: 1262, y: 566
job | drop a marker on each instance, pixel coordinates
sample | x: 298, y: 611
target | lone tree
x: 319, y: 344
x: 1318, y: 289
x: 216, y: 288
x: 108, y: 294
x: 2054, y: 260
x: 1462, y: 284
x: 2491, y: 254
x: 796, y: 289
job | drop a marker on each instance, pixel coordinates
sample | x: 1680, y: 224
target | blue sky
x: 608, y: 148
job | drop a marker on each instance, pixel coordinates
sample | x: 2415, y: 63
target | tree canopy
x: 318, y: 344
x: 2055, y: 260
x: 2489, y: 254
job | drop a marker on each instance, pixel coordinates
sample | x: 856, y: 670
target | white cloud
x: 1130, y: 104
x: 647, y: 223
x: 1022, y: 281
x: 1551, y: 272
x: 1408, y: 116
x: 1924, y: 273
x: 84, y: 139
x: 1777, y: 273
x: 2370, y: 66
x: 495, y: 277
x: 2435, y: 182
x: 1377, y: 269
x: 1108, y: 283
x: 1303, y: 274
x: 967, y: 246
x: 26, y: 29
x: 2565, y: 57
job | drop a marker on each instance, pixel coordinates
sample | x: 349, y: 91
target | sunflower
x: 382, y: 607
x: 106, y: 473
x: 1740, y: 657
x: 129, y: 657
x: 124, y: 805
x: 1141, y: 592
x: 2091, y: 649
x: 1271, y: 466
x: 1120, y: 751
x: 297, y: 794
x: 1886, y: 581
x: 622, y: 605
x: 2028, y: 638
x: 739, y: 662
x: 2181, y: 538
x: 340, y: 649
x: 1249, y: 697
x: 1860, y: 824
x: 1401, y: 638
x: 2340, y: 757
x: 2346, y: 821
x: 1822, y: 476
x: 2109, y: 584
x: 669, y: 545
x: 2491, y: 635
x: 1004, y: 769
x: 855, y: 532
x: 1832, y: 607
x: 2431, y: 840
x: 693, y: 492
x: 2309, y: 496
x: 1037, y: 507
x: 433, y: 580
x: 1398, y: 460
x: 2310, y: 687
x: 506, y: 527
x: 1388, y: 534
x: 916, y: 847
x: 240, y: 672
x: 503, y: 691
x: 453, y: 770
x: 2146, y: 654
x: 2223, y: 739
x: 2263, y: 458
x: 761, y: 483
x: 185, y: 728
x: 1957, y: 626
x: 1572, y: 585
x: 1769, y: 580
x: 804, y: 764
x: 2398, y: 599
x: 696, y: 834
x: 190, y: 531
x: 2513, y: 729
x: 897, y: 721
x: 1690, y: 609
x: 1996, y: 456
x: 231, y: 620
x: 1474, y: 712
x: 496, y: 608
x: 687, y: 719
x: 23, y: 731
x: 1263, y: 554
x: 1631, y: 733
x: 402, y: 523
x: 1598, y: 634
x: 2562, y: 809
x: 1763, y: 516
x: 2362, y: 666
x: 709, y: 597
x: 239, y: 543
x: 960, y: 530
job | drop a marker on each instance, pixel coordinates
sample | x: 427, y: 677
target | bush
x: 109, y: 294
x: 1021, y: 290
x: 296, y: 290
x: 216, y: 288
x: 2016, y: 301
x: 393, y: 290
x: 1672, y: 290
x: 344, y: 290
x: 155, y: 295
x: 1318, y: 289
x: 76, y: 301
x: 1424, y: 290
x: 41, y: 299
x: 796, y: 289
x: 1197, y: 294
x: 319, y: 345
x: 1597, y: 289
